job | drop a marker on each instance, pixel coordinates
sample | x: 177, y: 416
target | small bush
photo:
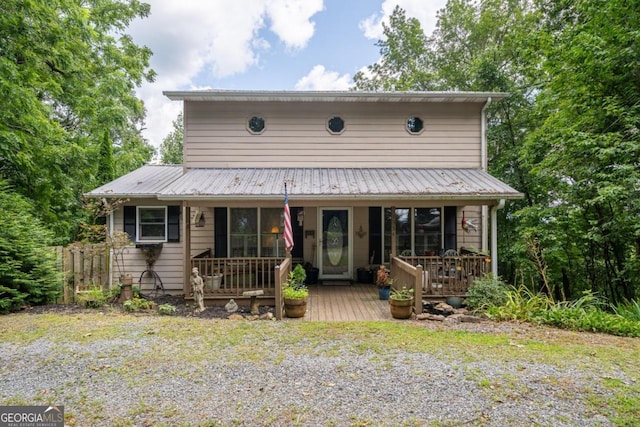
x: 166, y: 309
x: 485, y: 292
x: 630, y: 310
x: 137, y: 304
x: 93, y: 297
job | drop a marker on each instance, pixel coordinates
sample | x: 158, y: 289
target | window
x: 418, y: 231
x: 415, y: 125
x: 243, y: 232
x: 271, y: 232
x: 335, y: 125
x: 428, y: 231
x: 403, y: 231
x: 152, y: 224
x: 256, y: 232
x: 256, y: 124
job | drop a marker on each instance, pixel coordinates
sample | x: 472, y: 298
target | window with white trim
x: 152, y: 224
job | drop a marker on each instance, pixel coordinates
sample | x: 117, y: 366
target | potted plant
x: 295, y: 293
x: 384, y: 283
x: 401, y: 303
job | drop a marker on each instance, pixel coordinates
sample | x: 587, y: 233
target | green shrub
x: 520, y: 304
x: 137, y: 304
x: 629, y: 310
x: 584, y: 314
x: 485, y: 292
x: 93, y: 297
x: 166, y: 309
x: 28, y: 273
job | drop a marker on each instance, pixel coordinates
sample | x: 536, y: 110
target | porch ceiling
x: 337, y: 183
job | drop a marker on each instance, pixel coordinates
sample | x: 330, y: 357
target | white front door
x: 335, y: 243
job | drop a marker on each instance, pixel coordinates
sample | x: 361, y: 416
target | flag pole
x: 288, y: 230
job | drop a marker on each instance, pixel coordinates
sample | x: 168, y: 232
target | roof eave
x: 331, y: 96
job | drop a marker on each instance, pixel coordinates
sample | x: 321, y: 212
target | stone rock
x: 444, y: 307
x: 235, y: 316
x: 231, y: 306
x: 429, y: 316
x: 470, y: 319
x: 267, y: 316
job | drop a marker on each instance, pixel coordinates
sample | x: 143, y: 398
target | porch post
x: 393, y: 233
x: 494, y: 237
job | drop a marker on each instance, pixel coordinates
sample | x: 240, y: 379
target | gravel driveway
x: 141, y: 374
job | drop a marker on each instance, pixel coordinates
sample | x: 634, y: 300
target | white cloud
x: 321, y: 79
x: 290, y: 20
x: 219, y: 37
x: 424, y: 11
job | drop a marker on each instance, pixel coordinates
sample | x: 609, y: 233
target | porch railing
x: 230, y: 277
x: 409, y: 276
x: 282, y: 273
x: 450, y: 275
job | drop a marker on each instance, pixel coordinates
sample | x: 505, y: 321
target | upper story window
x: 335, y: 124
x: 256, y: 124
x: 152, y: 224
x: 415, y: 125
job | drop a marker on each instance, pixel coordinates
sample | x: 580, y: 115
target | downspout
x: 494, y: 236
x: 484, y: 164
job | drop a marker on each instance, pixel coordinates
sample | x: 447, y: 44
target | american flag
x: 288, y: 232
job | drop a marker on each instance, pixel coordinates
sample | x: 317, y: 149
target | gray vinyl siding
x: 295, y: 135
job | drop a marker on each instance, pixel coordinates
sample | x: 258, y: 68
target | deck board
x: 346, y: 303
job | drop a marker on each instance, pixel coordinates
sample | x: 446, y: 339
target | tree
x: 406, y: 60
x: 27, y: 266
x: 590, y: 140
x: 67, y: 75
x: 171, y: 147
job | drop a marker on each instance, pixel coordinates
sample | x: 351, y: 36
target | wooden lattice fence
x: 84, y: 266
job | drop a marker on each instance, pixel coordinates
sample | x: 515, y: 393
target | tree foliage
x: 567, y: 136
x: 27, y: 266
x: 67, y: 77
x: 171, y: 147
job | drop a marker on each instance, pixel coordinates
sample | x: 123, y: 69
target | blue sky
x: 260, y: 45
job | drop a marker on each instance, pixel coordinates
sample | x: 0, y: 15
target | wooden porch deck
x: 357, y: 301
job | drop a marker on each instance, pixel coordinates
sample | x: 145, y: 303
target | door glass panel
x: 244, y: 232
x: 335, y: 243
x: 403, y: 232
x: 427, y: 235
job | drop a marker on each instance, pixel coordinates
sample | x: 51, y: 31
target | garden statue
x: 197, y: 285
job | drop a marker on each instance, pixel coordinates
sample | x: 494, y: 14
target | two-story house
x: 369, y: 175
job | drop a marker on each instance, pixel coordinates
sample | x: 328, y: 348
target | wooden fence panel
x: 83, y: 266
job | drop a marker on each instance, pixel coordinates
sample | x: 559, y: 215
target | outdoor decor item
x: 401, y: 303
x: 384, y: 282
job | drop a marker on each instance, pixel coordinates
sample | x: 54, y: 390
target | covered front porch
x: 431, y: 278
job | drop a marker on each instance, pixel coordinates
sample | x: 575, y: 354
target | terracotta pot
x: 401, y: 308
x: 295, y: 307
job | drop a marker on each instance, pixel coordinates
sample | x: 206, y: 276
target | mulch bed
x: 182, y: 309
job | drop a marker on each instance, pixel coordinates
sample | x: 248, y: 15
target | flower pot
x: 401, y: 308
x: 383, y: 292
x: 295, y: 307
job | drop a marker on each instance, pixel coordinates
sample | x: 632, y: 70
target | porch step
x: 335, y: 282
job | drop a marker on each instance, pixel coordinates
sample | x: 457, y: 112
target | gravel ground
x: 133, y: 380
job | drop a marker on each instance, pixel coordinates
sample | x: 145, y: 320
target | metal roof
x: 169, y: 183
x: 331, y: 96
x: 146, y: 181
